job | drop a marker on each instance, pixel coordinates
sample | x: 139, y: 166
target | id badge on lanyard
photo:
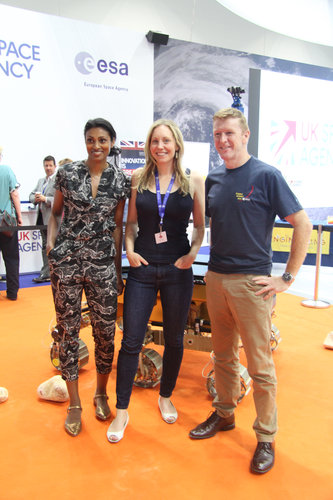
x: 161, y: 236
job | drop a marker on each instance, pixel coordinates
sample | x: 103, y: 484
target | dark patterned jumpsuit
x: 83, y: 260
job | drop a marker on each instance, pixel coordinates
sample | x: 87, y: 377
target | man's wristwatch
x: 287, y: 277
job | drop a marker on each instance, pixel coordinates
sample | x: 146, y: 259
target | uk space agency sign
x: 55, y: 74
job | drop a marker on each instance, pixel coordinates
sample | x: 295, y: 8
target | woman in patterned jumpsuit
x: 85, y: 255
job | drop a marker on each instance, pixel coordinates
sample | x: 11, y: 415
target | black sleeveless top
x: 177, y: 213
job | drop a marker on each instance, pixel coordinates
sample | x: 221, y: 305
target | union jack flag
x: 132, y: 145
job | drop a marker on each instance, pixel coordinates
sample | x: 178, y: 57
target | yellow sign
x: 281, y: 240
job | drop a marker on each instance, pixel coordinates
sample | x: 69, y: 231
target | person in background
x: 10, y: 201
x: 2, y: 278
x: 85, y: 255
x: 161, y: 257
x: 42, y: 197
x: 243, y: 197
x: 64, y: 161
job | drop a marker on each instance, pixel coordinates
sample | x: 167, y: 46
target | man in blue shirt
x: 10, y: 201
x: 243, y: 197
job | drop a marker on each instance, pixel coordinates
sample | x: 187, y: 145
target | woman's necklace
x: 96, y: 176
x: 95, y: 179
x: 95, y: 172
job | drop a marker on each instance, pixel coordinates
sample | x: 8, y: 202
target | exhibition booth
x: 56, y: 73
x: 59, y: 82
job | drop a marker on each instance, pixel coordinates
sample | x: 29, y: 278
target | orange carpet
x: 156, y: 460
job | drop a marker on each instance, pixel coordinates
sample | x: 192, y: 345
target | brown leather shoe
x: 263, y: 458
x: 212, y: 425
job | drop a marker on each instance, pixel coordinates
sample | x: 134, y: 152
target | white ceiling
x: 309, y: 20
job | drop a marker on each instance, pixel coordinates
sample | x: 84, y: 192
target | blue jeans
x: 10, y: 254
x: 175, y: 287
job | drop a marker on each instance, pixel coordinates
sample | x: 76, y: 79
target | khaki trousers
x: 235, y: 311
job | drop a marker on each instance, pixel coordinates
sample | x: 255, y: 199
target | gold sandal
x: 103, y: 411
x: 73, y: 428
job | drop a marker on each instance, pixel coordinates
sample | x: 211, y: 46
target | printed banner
x: 281, y: 240
x: 55, y: 74
x: 295, y: 135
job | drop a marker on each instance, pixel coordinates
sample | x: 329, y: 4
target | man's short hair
x: 49, y: 158
x: 232, y: 113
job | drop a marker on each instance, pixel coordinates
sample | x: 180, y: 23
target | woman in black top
x: 163, y: 198
x: 85, y: 255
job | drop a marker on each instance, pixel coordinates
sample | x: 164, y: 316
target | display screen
x: 291, y: 123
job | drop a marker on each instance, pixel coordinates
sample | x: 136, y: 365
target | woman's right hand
x: 135, y: 259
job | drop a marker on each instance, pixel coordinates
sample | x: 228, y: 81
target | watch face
x: 287, y: 277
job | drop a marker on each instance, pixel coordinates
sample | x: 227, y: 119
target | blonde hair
x: 148, y: 171
x: 64, y: 162
x: 232, y: 113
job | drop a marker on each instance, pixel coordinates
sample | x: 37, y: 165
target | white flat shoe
x: 169, y: 418
x: 115, y: 437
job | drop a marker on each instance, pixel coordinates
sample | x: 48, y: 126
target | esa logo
x: 85, y: 64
